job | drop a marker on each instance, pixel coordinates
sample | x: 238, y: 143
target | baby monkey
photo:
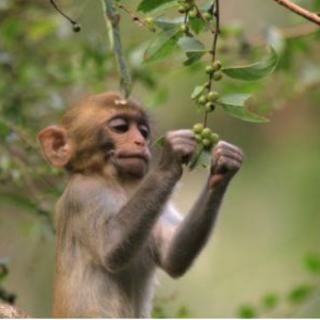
x: 115, y: 224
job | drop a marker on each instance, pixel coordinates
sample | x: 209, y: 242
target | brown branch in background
x: 311, y: 16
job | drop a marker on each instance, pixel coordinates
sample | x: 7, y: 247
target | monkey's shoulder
x: 89, y: 194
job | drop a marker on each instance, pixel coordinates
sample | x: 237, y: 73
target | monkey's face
x: 126, y: 139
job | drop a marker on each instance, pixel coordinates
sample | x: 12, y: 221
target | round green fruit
x: 217, y: 76
x: 149, y: 20
x: 206, y: 133
x: 217, y: 65
x: 206, y: 143
x: 210, y: 107
x: 212, y: 96
x: 193, y: 13
x: 198, y: 128
x: 207, y: 16
x: 209, y: 70
x: 202, y: 99
x: 214, y: 138
x: 184, y: 28
x: 182, y: 9
x: 198, y: 138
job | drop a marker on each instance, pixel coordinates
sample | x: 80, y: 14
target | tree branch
x: 311, y: 16
x: 9, y: 312
x: 116, y: 44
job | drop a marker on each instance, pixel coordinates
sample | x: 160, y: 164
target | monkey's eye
x: 119, y: 125
x: 144, y: 131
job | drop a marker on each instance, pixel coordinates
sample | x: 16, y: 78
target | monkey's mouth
x: 134, y: 156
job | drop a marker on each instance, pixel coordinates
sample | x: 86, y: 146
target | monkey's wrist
x: 173, y: 171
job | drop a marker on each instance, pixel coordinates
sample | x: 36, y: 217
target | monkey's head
x: 103, y: 133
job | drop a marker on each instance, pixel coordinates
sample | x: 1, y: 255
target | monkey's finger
x: 181, y: 133
x: 223, y: 165
x: 227, y: 153
x: 228, y: 146
x: 182, y: 141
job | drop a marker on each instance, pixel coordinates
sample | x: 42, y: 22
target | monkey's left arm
x: 177, y: 247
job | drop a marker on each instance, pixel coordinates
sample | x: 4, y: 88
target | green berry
x: 182, y: 9
x: 149, y: 20
x: 187, y: 6
x: 217, y: 65
x: 184, y: 28
x: 214, y: 138
x: 198, y: 138
x: 212, y: 96
x: 206, y: 143
x: 209, y: 70
x: 210, y: 107
x: 198, y: 128
x: 207, y: 16
x: 76, y: 27
x: 217, y: 76
x: 202, y: 99
x: 206, y: 133
x: 193, y: 14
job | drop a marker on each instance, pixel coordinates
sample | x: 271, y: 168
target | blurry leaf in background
x: 270, y: 301
x: 247, y: 312
x: 300, y: 293
x: 312, y: 263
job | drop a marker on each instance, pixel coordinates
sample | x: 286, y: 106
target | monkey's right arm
x: 117, y: 240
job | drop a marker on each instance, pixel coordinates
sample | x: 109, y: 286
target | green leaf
x: 247, y: 312
x: 197, y: 92
x: 166, y: 24
x: 300, y: 294
x: 182, y: 313
x: 193, y: 57
x: 201, y: 158
x: 270, y: 301
x: 162, y: 46
x: 255, y: 71
x: 198, y: 25
x: 150, y: 5
x: 159, y: 142
x: 190, y: 44
x: 312, y: 263
x: 235, y: 106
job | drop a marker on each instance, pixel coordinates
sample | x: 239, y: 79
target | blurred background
x: 264, y: 257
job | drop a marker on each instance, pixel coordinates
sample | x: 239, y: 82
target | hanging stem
x: 215, y: 12
x: 113, y: 19
x: 62, y: 13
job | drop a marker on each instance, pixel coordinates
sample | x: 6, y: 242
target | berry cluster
x: 205, y: 136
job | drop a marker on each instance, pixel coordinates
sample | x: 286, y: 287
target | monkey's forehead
x: 113, y: 99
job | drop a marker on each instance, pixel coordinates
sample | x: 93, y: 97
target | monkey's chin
x: 135, y: 168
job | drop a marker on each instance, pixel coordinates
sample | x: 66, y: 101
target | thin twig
x: 311, y: 16
x: 116, y: 43
x: 204, y: 19
x: 134, y: 17
x: 62, y: 13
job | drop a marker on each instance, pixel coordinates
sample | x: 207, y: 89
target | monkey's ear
x: 55, y: 146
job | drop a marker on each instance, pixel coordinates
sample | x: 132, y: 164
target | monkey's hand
x: 178, y: 149
x: 227, y: 160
